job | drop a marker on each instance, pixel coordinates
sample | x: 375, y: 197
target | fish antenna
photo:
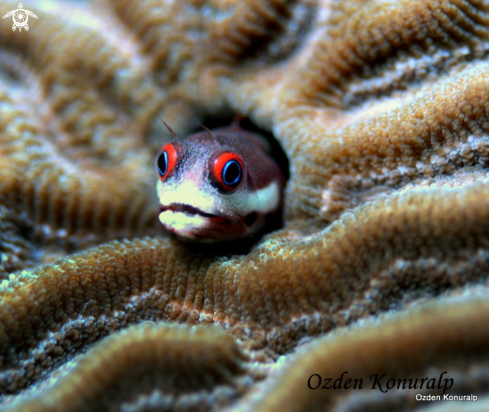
x: 206, y: 129
x: 235, y: 124
x: 169, y: 129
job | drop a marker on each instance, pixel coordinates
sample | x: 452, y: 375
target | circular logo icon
x: 20, y: 17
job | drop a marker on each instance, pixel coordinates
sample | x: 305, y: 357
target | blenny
x: 219, y: 185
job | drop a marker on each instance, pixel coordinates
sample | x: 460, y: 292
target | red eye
x: 228, y: 171
x: 166, y: 160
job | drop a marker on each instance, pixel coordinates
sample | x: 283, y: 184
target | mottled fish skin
x: 198, y: 205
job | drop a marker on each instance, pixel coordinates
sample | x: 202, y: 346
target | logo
x: 20, y: 17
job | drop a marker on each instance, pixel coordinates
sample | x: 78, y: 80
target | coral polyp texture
x: 382, y: 263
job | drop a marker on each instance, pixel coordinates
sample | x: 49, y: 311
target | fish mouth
x: 183, y: 208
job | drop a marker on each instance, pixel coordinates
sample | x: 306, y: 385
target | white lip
x: 183, y: 223
x: 186, y: 193
x: 186, y: 209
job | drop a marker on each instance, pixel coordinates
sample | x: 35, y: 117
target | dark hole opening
x: 250, y: 219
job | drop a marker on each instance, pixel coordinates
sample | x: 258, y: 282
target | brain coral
x: 382, y: 108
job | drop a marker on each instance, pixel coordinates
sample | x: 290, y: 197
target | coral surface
x: 381, y: 267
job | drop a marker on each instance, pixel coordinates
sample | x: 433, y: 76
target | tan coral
x: 360, y: 272
x: 382, y: 108
x: 401, y: 348
x: 61, y: 136
x: 176, y: 360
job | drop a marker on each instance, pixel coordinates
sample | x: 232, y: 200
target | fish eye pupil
x: 231, y: 173
x: 163, y: 163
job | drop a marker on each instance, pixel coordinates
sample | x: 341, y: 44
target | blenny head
x: 218, y: 185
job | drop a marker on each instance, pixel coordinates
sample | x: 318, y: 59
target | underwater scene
x: 244, y: 205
